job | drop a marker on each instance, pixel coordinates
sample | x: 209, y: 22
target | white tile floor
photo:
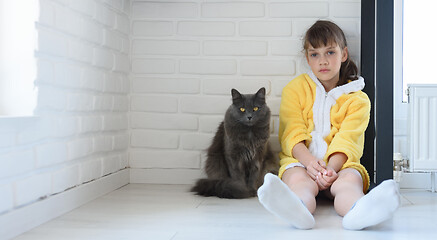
x: 142, y: 211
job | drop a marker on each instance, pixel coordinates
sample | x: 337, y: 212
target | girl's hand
x: 314, y: 168
x: 324, y: 181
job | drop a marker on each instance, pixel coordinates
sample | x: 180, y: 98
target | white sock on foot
x: 373, y: 208
x: 277, y: 198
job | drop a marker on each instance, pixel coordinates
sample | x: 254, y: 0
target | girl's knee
x: 348, y: 179
x: 299, y: 177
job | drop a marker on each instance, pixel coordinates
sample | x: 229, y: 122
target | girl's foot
x: 277, y: 198
x: 373, y: 208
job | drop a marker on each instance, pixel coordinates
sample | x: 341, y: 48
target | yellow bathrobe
x: 327, y: 122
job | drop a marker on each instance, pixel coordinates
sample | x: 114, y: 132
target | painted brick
x: 105, y: 16
x: 223, y: 29
x: 92, y: 32
x: 34, y: 133
x: 224, y: 86
x: 152, y: 28
x: 121, y: 142
x: 121, y: 104
x: 50, y: 154
x: 68, y: 21
x: 163, y: 121
x: 233, y: 10
x: 299, y: 9
x: 205, y: 105
x: 121, y: 63
x: 103, y: 103
x: 51, y: 99
x: 52, y: 43
x: 196, y: 141
x: 268, y: 68
x: 65, y: 126
x: 208, y: 66
x: 110, y: 164
x: 65, y: 178
x: 115, y: 122
x: 84, y: 6
x: 350, y: 28
x: 7, y: 199
x: 153, y: 66
x: 80, y: 147
x: 80, y: 102
x: 32, y: 188
x: 122, y: 24
x: 7, y: 139
x: 235, y: 48
x: 345, y: 9
x: 116, y: 4
x: 45, y: 71
x: 160, y: 47
x: 210, y: 124
x: 164, y: 159
x: 154, y: 139
x: 102, y: 143
x: 112, y: 40
x: 80, y: 51
x: 164, y: 10
x: 165, y: 85
x: 17, y: 162
x: 68, y: 75
x: 265, y: 28
x: 90, y: 170
x: 103, y: 58
x: 93, y: 79
x: 47, y: 13
x: 274, y: 104
x: 90, y: 124
x: 112, y: 82
x: 164, y: 104
x: 287, y: 48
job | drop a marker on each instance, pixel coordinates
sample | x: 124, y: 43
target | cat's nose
x: 250, y: 118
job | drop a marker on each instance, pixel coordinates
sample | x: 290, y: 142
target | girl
x: 323, y: 117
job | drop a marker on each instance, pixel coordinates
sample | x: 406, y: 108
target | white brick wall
x: 186, y: 57
x: 81, y: 129
x: 147, y: 82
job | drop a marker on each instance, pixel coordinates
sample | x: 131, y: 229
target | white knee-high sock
x: 277, y: 198
x: 373, y: 208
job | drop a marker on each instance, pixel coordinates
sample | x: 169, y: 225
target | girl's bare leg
x: 346, y: 190
x: 302, y: 185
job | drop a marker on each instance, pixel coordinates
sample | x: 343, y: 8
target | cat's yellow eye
x: 255, y: 109
x: 242, y: 109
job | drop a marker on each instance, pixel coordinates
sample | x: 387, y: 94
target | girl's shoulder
x: 355, y: 99
x: 301, y: 81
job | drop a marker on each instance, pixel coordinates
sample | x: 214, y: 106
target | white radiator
x: 422, y: 127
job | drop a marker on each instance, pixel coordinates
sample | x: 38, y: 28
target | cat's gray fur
x: 240, y: 154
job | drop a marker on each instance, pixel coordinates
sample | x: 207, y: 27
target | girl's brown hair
x: 324, y: 33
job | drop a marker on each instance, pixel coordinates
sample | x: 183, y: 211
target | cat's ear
x: 236, y: 96
x: 261, y: 94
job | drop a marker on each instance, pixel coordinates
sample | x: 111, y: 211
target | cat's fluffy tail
x: 222, y: 188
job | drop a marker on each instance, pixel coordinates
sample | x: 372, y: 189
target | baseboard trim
x: 23, y: 219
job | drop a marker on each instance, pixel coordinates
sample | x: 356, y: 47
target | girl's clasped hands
x: 322, y: 174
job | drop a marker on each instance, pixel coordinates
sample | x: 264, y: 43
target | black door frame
x: 377, y: 70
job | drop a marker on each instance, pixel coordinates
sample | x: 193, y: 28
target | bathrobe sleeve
x: 350, y: 136
x: 296, y: 104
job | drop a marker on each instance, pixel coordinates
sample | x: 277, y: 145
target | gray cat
x: 240, y: 154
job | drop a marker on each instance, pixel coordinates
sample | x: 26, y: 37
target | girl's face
x: 325, y: 62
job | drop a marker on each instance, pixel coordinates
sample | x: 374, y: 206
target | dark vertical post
x: 384, y: 90
x: 368, y: 72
